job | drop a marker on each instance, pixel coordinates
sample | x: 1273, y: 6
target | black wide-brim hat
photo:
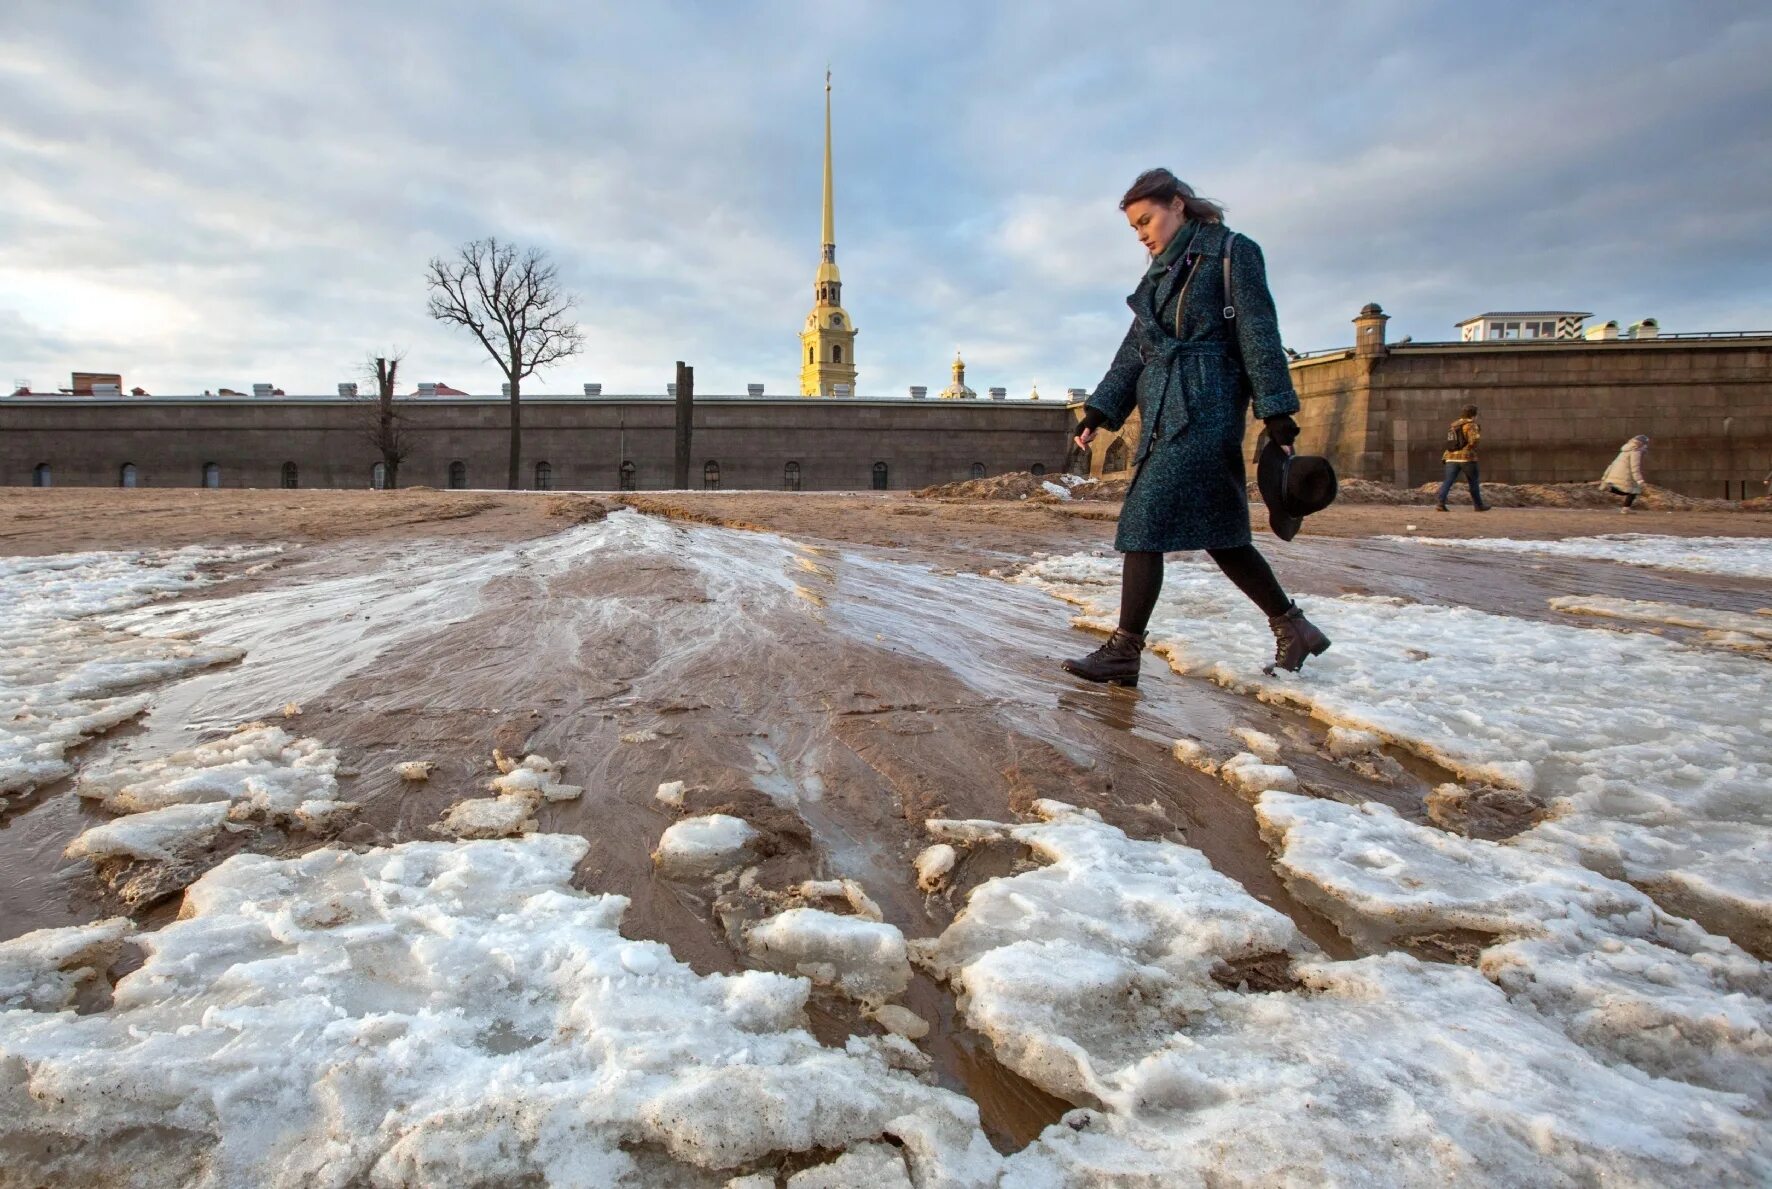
x: 1292, y: 486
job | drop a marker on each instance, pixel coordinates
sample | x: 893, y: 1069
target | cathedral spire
x: 830, y: 220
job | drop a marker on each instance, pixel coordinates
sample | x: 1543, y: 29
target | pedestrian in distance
x: 1203, y: 346
x: 1625, y: 476
x: 1460, y: 456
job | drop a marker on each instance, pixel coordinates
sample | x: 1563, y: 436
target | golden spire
x: 830, y: 222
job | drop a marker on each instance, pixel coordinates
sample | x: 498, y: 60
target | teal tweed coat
x: 1193, y: 392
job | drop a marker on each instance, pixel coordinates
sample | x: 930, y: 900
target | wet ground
x: 836, y: 693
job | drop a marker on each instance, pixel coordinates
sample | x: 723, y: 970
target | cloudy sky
x: 202, y: 194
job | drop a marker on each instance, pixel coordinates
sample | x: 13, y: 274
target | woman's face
x: 1155, y: 223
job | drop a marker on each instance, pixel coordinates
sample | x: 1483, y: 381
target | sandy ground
x: 919, y: 689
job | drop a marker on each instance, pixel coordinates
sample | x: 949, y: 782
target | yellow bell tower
x: 827, y: 343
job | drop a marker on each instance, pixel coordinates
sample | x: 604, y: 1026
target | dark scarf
x: 1165, y: 260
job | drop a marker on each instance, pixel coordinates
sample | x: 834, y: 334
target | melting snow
x: 1736, y: 557
x: 1654, y: 764
x: 864, y: 959
x: 703, y: 845
x: 398, y: 1016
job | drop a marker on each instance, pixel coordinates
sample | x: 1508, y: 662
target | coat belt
x: 1166, y: 360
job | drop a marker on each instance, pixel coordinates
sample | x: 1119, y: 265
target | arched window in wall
x: 880, y: 474
x: 458, y: 475
x: 378, y: 476
x: 836, y: 353
x: 126, y: 475
x: 630, y: 477
x: 790, y: 477
x: 710, y: 476
x: 291, y: 477
x: 1037, y: 470
x: 978, y: 470
x: 211, y: 475
x: 544, y: 477
x: 40, y: 476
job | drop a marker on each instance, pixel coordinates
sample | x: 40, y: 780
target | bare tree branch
x: 514, y: 306
x: 383, y: 425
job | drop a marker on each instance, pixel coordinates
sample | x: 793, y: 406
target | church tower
x: 827, y: 343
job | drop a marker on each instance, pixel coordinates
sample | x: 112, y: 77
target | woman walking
x: 1625, y: 476
x: 1191, y: 362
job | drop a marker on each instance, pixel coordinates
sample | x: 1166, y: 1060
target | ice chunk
x: 160, y: 835
x: 492, y: 817
x: 1250, y: 776
x: 1054, y: 490
x: 847, y: 890
x: 965, y: 832
x: 671, y: 793
x: 1262, y: 745
x: 901, y: 1021
x: 863, y: 959
x: 415, y: 770
x: 42, y: 971
x: 1192, y: 753
x: 703, y: 845
x: 933, y: 865
x: 262, y: 767
x: 399, y: 1015
x: 866, y: 1166
x: 1758, y: 625
x: 1345, y: 743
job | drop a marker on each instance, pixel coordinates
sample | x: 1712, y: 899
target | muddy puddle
x: 835, y: 699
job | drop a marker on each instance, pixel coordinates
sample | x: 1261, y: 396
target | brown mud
x: 836, y: 685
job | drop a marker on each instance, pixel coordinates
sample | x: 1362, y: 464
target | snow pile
x: 1055, y: 490
x: 1079, y: 969
x: 1094, y: 978
x: 519, y: 789
x: 1246, y: 773
x: 861, y: 958
x: 1653, y: 761
x: 933, y: 864
x: 169, y: 835
x: 65, y: 676
x: 1592, y: 955
x: 1736, y: 557
x: 703, y: 845
x: 397, y: 1016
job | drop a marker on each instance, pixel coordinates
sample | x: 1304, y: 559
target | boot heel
x: 1128, y: 682
x: 1320, y: 649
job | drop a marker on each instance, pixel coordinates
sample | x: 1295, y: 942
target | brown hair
x: 1470, y: 410
x: 1159, y: 185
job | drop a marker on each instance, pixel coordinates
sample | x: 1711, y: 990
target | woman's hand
x: 1283, y: 430
x: 1085, y: 436
x: 1086, y: 427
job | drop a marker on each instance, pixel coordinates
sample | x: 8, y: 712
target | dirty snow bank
x: 1666, y: 790
x: 1735, y: 557
x: 1106, y: 978
x: 399, y: 1015
x: 65, y: 676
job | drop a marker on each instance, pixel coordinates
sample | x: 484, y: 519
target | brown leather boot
x: 1115, y: 662
x: 1295, y: 638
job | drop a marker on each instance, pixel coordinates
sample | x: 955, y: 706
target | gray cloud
x: 203, y: 194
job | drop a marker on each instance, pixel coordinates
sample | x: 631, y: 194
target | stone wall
x: 86, y: 441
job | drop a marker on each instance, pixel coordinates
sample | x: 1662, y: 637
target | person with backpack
x: 1459, y: 455
x: 1625, y: 476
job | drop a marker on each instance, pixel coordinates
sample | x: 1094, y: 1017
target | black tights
x: 1243, y: 565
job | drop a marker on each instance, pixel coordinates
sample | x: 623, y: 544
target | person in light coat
x: 1625, y: 476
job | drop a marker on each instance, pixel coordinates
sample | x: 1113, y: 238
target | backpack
x: 1455, y: 439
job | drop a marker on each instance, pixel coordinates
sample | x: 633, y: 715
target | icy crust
x: 1595, y: 956
x: 1079, y: 969
x: 1722, y: 629
x: 261, y: 770
x: 42, y: 971
x: 1106, y: 982
x: 703, y: 845
x: 65, y: 677
x: 398, y: 1016
x: 864, y: 959
x: 1736, y: 557
x: 1666, y: 791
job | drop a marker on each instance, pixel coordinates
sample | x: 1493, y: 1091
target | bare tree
x: 513, y: 303
x: 383, y: 424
